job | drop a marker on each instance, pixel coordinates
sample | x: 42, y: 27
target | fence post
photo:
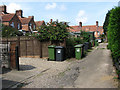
x: 40, y: 49
x: 33, y: 46
x: 18, y: 43
x: 17, y: 57
x: 26, y: 47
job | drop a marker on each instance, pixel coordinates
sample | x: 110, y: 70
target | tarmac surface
x: 94, y: 71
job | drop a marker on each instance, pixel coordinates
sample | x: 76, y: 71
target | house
x: 16, y: 20
x: 98, y: 30
x: 39, y: 23
x: 28, y: 23
x: 10, y: 19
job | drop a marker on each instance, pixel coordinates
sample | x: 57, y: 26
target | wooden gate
x: 14, y: 57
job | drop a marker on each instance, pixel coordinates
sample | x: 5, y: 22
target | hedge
x: 114, y: 32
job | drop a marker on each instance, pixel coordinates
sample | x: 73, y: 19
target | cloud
x: 62, y: 7
x: 50, y: 6
x: 12, y: 7
x: 81, y: 17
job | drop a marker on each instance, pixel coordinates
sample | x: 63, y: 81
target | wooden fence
x: 31, y: 47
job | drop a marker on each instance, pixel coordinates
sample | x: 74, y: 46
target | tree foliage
x: 114, y: 32
x: 106, y: 22
x: 8, y: 31
x: 85, y: 36
x: 55, y: 31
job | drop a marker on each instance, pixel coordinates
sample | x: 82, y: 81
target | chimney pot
x: 51, y: 20
x: 96, y: 23
x: 3, y: 9
x: 19, y: 13
x: 80, y: 24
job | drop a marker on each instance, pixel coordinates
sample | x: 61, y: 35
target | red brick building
x: 39, y: 23
x: 28, y: 24
x: 98, y: 30
x: 10, y: 19
x: 16, y: 20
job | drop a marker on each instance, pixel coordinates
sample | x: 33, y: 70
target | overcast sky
x: 70, y: 11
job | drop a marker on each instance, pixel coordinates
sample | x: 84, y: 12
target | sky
x: 69, y: 11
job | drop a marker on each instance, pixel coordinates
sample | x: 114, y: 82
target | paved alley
x: 94, y: 71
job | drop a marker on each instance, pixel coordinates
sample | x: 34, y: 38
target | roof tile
x: 7, y: 17
x: 39, y: 23
x: 25, y: 20
x: 88, y: 28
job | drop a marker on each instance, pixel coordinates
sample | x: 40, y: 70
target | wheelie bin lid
x: 79, y: 45
x: 51, y: 46
x: 59, y: 47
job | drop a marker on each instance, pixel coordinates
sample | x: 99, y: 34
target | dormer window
x: 30, y: 24
x: 12, y: 24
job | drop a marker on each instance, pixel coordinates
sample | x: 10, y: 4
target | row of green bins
x: 56, y: 53
x: 79, y: 51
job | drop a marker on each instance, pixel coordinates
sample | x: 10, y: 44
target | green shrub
x: 78, y: 40
x: 8, y: 31
x: 85, y: 36
x: 70, y: 43
x: 55, y: 32
x: 114, y: 32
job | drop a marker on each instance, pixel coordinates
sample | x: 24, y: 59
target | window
x: 12, y: 24
x: 18, y: 26
x: 30, y: 24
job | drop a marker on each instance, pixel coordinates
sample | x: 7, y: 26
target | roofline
x: 12, y: 17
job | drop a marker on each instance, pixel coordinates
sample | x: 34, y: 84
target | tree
x: 85, y: 36
x: 106, y: 22
x: 55, y: 32
x: 8, y: 31
x: 114, y: 32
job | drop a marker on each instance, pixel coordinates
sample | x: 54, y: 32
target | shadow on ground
x: 5, y: 70
x: 26, y: 67
x: 8, y: 84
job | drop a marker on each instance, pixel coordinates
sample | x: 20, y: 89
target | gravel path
x: 93, y: 71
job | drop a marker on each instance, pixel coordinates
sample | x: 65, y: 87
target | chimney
x: 97, y: 23
x: 51, y: 20
x: 31, y: 17
x: 3, y: 9
x: 80, y: 24
x: 19, y: 13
